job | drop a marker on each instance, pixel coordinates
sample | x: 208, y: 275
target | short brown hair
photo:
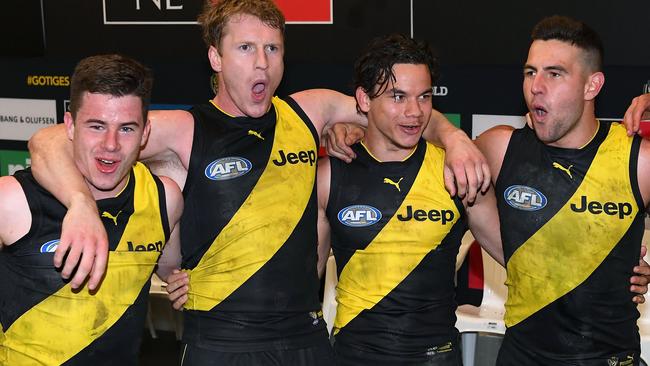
x: 114, y: 75
x: 217, y: 13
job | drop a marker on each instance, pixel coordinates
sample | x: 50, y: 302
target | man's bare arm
x: 324, y: 237
x: 483, y: 219
x: 15, y: 215
x: 83, y: 237
x: 466, y: 169
x: 171, y: 255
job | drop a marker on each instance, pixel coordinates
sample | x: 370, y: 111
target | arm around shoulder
x: 326, y: 107
x: 171, y: 136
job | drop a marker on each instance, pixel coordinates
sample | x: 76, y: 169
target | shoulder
x: 496, y: 134
x: 493, y: 143
x: 170, y: 116
x: 9, y: 187
x: 14, y: 210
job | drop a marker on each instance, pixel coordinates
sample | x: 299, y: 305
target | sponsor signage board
x: 174, y: 12
x: 12, y: 161
x: 20, y: 118
x: 483, y: 122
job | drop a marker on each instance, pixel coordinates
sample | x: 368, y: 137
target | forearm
x: 53, y: 164
x: 440, y: 131
x: 170, y: 259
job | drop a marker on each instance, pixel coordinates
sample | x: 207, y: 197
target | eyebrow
x: 94, y: 120
x: 399, y: 91
x: 546, y: 68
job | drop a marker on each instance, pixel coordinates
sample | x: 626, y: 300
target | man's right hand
x: 635, y: 112
x: 177, y: 288
x: 340, y: 137
x: 84, y: 241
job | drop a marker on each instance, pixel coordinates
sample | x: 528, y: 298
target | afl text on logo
x: 359, y: 216
x: 525, y: 198
x: 228, y: 168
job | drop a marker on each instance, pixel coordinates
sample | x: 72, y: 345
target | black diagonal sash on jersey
x: 571, y: 245
x: 66, y: 322
x: 265, y: 220
x: 373, y: 272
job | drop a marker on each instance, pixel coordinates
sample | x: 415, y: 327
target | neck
x: 99, y: 194
x: 582, y: 132
x: 385, y: 151
x: 226, y: 105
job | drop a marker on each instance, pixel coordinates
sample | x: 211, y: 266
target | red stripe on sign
x: 644, y: 128
x: 475, y: 276
x: 306, y: 11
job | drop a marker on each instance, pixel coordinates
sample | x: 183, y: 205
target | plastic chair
x: 329, y: 294
x: 158, y: 290
x: 489, y: 316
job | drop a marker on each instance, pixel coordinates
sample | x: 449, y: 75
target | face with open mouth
x: 398, y: 116
x: 107, y: 135
x: 555, y: 86
x: 250, y: 66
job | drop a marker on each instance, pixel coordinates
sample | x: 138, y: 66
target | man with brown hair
x: 43, y: 320
x: 247, y: 165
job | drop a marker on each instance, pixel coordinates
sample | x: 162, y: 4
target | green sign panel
x: 12, y: 161
x: 454, y: 118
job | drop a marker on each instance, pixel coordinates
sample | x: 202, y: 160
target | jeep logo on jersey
x: 359, y: 216
x: 308, y: 156
x: 444, y: 216
x: 50, y: 246
x: 228, y: 168
x: 620, y: 209
x: 525, y: 198
x: 146, y: 247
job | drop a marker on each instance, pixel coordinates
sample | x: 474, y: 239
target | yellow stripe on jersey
x: 66, y: 322
x: 373, y: 272
x: 265, y: 220
x: 571, y: 245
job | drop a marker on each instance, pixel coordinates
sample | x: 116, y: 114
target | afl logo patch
x: 525, y: 198
x: 228, y: 168
x: 359, y: 216
x: 50, y: 246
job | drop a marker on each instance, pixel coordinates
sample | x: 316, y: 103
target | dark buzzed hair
x: 373, y: 70
x: 114, y: 75
x: 576, y: 33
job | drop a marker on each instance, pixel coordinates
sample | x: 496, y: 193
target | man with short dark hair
x: 44, y: 321
x: 571, y: 194
x: 393, y: 228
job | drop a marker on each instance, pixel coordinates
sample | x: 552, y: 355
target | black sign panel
x: 165, y: 12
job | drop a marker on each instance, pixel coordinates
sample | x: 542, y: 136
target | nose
x: 537, y: 84
x: 261, y: 59
x: 413, y: 108
x: 111, y: 141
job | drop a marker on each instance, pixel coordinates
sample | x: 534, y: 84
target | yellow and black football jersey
x: 571, y: 224
x: 45, y: 322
